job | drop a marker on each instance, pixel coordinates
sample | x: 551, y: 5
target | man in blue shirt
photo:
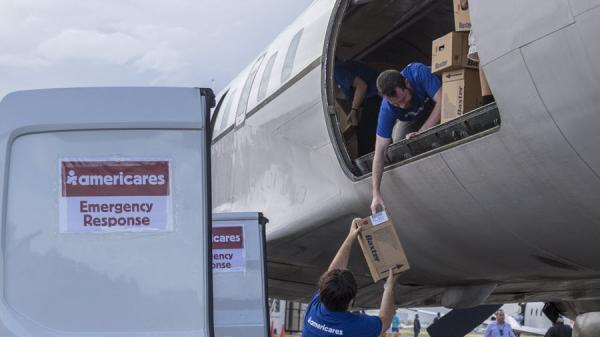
x: 499, y: 328
x: 328, y: 313
x: 358, y: 82
x: 417, y: 325
x: 412, y: 96
x: 559, y: 329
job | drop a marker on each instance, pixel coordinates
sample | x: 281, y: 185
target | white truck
x: 106, y: 224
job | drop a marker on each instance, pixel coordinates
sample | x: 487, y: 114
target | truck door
x: 239, y: 276
x: 105, y: 205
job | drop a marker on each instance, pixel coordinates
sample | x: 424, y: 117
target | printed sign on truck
x: 229, y: 254
x: 99, y: 196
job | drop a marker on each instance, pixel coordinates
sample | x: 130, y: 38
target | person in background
x: 437, y: 318
x: 358, y: 82
x: 560, y: 329
x: 395, y: 324
x: 328, y: 313
x: 417, y: 325
x: 522, y: 307
x: 486, y: 93
x: 413, y: 96
x: 499, y: 328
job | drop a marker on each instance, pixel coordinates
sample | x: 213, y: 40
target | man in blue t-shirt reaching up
x: 413, y: 96
x: 328, y: 313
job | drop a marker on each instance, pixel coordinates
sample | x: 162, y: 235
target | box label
x: 379, y: 218
x: 107, y: 195
x: 229, y: 254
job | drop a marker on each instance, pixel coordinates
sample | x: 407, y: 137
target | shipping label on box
x: 381, y: 246
x: 449, y: 52
x: 461, y: 93
x: 462, y: 19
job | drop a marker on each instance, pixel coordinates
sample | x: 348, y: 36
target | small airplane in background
x: 532, y: 321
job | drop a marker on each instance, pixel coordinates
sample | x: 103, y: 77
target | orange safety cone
x: 282, y: 334
x: 271, y: 332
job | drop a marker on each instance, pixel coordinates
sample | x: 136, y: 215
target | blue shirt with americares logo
x: 321, y: 322
x: 424, y: 86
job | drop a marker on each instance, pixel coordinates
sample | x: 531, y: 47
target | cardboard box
x: 449, y: 52
x: 381, y: 246
x: 461, y: 93
x: 462, y: 20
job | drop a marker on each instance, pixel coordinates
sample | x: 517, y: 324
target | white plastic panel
x: 118, y: 282
x: 502, y: 26
x: 240, y: 299
x: 128, y: 284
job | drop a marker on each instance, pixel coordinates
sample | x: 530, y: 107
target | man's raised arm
x: 340, y: 261
x: 386, y: 310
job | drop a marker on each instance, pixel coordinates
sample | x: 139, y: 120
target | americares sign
x: 114, y: 196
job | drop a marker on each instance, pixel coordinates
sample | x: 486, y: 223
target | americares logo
x: 119, y: 179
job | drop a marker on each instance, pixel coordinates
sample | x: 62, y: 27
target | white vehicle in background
x: 106, y: 223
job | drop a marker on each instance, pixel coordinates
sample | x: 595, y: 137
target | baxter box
x: 461, y: 93
x: 381, y: 246
x: 449, y: 52
x: 462, y: 20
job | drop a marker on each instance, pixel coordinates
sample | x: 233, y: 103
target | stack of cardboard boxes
x: 461, y: 91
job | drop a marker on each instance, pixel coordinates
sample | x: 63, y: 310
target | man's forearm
x: 378, y: 162
x: 360, y: 91
x: 434, y: 118
x: 386, y: 310
x: 359, y: 97
x: 340, y: 261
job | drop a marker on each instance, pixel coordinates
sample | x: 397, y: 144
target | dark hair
x: 388, y: 81
x: 337, y: 288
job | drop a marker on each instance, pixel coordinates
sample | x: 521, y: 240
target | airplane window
x: 215, y: 113
x: 288, y: 64
x: 243, y: 102
x: 264, y: 81
x: 226, y: 118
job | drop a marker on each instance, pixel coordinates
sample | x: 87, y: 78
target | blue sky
x: 66, y: 43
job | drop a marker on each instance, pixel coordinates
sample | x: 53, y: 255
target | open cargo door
x: 105, y: 204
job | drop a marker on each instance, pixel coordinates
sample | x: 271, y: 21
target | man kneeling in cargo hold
x: 328, y: 312
x: 414, y: 97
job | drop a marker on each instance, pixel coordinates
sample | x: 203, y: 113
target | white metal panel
x: 222, y: 180
x: 305, y: 126
x: 567, y: 81
x: 527, y: 175
x: 502, y: 26
x: 588, y: 26
x: 580, y: 6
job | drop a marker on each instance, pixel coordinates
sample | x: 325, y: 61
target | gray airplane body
x: 510, y: 215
